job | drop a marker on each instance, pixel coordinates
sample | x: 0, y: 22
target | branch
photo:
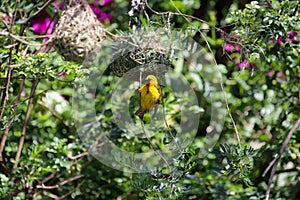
x: 151, y: 144
x: 59, y: 184
x: 10, y: 68
x: 77, y: 156
x: 51, y: 176
x: 221, y: 84
x: 167, y: 125
x: 29, y: 108
x: 275, y: 161
x: 55, y: 114
x: 18, y: 38
x: 4, y: 138
x: 180, y: 14
x: 229, y: 113
x: 53, y: 196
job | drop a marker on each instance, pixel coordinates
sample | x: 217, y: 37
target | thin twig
x: 18, y: 38
x: 52, y: 196
x: 51, y: 176
x: 229, y: 113
x: 168, y: 127
x: 221, y: 84
x: 23, y: 134
x: 67, y: 194
x: 275, y: 161
x: 151, y: 144
x: 78, y: 156
x: 10, y: 68
x: 277, y: 156
x: 55, y: 114
x: 26, y: 99
x: 180, y: 14
x: 42, y: 186
x: 4, y: 137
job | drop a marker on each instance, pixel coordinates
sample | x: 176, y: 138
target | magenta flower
x: 270, y: 74
x: 237, y: 48
x: 292, y: 37
x: 101, y: 15
x: 229, y: 47
x: 243, y: 65
x: 272, y: 40
x: 292, y: 34
x: 279, y: 41
x: 281, y: 75
x: 6, y: 19
x: 42, y: 25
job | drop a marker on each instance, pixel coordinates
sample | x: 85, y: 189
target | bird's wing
x: 140, y: 94
x: 158, y: 87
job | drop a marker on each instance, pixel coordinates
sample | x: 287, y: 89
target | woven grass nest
x: 143, y: 49
x: 137, y: 58
x: 78, y: 32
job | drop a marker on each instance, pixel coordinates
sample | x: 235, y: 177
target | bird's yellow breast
x: 150, y: 95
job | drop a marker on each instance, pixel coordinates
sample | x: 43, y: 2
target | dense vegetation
x: 226, y: 128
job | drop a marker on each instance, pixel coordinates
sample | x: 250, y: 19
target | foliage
x: 257, y: 53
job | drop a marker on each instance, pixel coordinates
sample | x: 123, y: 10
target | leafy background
x: 255, y: 45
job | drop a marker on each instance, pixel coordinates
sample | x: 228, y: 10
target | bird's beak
x: 147, y: 80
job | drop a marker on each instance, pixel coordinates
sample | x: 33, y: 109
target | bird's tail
x: 140, y: 113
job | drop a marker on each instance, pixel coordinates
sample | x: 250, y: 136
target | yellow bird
x: 150, y: 95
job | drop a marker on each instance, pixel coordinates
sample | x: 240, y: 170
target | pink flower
x: 42, y: 25
x: 279, y: 41
x: 101, y: 15
x: 281, y: 75
x: 237, y: 48
x: 292, y: 37
x: 272, y: 40
x: 243, y: 65
x: 6, y: 19
x: 270, y: 74
x: 292, y: 33
x: 229, y: 47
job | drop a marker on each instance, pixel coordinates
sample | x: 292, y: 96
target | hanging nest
x: 144, y: 50
x: 123, y: 62
x: 78, y: 32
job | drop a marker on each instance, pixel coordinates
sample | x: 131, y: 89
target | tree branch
x: 29, y: 108
x: 59, y: 184
x: 4, y: 138
x: 10, y: 68
x: 275, y: 161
